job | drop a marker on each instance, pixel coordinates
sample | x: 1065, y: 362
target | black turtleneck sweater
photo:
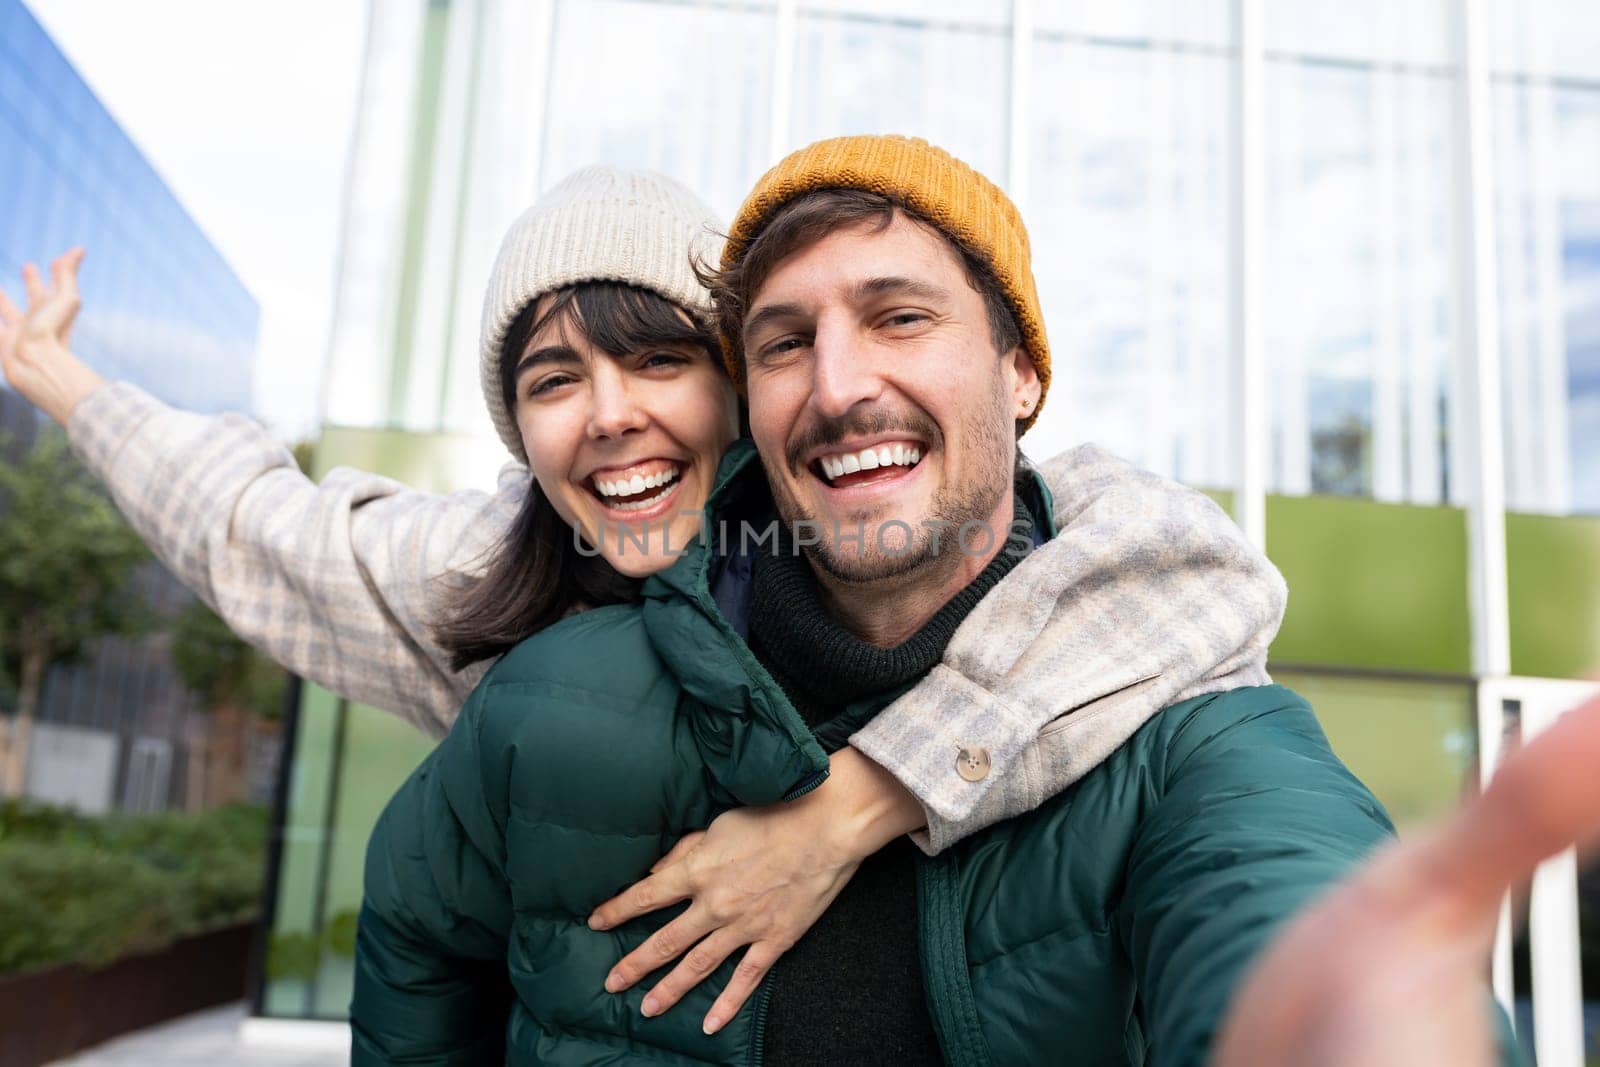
x: 850, y: 991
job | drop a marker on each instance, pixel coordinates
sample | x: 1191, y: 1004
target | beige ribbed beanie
x: 598, y: 224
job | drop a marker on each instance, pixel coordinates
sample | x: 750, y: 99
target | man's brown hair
x: 809, y: 218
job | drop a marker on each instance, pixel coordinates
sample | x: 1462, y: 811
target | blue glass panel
x: 162, y: 308
x: 11, y: 88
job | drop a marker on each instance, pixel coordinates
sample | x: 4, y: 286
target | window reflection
x: 1130, y: 168
x: 1546, y: 110
x: 1128, y: 212
x: 684, y: 90
x: 1360, y: 303
x: 947, y: 82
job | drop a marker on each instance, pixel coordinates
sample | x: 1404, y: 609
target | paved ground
x: 208, y: 1037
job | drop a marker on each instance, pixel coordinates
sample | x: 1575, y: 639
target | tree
x: 238, y: 686
x: 66, y: 559
x: 221, y: 669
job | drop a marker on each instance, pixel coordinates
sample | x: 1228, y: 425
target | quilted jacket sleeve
x: 1148, y: 595
x: 430, y: 974
x: 1249, y: 814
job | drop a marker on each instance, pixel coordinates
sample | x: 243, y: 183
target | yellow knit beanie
x: 935, y: 185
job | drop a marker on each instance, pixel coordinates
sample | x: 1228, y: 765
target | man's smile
x: 852, y: 464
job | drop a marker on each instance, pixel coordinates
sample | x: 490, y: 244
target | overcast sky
x: 245, y: 108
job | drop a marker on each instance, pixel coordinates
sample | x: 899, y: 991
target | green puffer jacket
x: 1107, y: 927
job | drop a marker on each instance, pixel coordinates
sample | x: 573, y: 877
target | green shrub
x: 292, y: 956
x: 340, y: 934
x: 97, y: 907
x: 91, y: 890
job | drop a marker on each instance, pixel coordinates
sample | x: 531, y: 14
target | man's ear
x: 1025, y: 388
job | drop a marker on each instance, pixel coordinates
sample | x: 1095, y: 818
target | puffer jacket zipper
x: 758, y: 1037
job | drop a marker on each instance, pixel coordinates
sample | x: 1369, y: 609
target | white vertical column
x: 1479, y: 352
x: 447, y: 178
x: 782, y: 80
x: 372, y: 224
x: 344, y: 257
x: 1249, y: 194
x: 500, y: 180
x: 1021, y: 100
x: 1553, y: 962
x: 1477, y: 378
x: 541, y: 58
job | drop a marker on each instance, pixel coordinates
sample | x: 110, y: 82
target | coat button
x: 972, y: 763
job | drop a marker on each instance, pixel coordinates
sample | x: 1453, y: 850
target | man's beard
x: 989, y: 446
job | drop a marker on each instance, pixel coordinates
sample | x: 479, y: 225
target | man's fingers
x: 754, y: 967
x: 697, y: 964
x: 33, y: 287
x: 658, y: 950
x: 10, y: 314
x: 1542, y: 799
x: 660, y: 890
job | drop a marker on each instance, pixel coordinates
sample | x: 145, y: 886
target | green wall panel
x: 1375, y: 586
x: 380, y: 750
x: 1412, y: 742
x: 349, y: 758
x: 293, y: 945
x: 1553, y: 571
x: 429, y: 94
x: 432, y: 462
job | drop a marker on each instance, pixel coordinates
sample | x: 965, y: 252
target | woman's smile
x: 632, y: 486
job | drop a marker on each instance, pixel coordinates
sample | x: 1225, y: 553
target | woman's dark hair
x: 535, y: 573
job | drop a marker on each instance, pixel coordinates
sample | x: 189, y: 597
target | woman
x: 598, y: 368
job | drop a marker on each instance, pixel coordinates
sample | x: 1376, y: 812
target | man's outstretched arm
x: 1248, y: 816
x: 1388, y: 969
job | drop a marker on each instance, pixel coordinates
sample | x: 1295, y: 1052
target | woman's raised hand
x: 759, y: 877
x: 35, y: 350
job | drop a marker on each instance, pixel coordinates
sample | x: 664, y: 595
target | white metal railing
x: 1553, y: 946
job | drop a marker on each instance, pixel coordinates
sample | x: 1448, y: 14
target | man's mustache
x: 863, y: 423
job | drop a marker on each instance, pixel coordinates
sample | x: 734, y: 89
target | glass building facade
x: 1156, y: 182
x: 162, y: 309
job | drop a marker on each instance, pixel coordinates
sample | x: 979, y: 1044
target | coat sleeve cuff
x: 923, y: 738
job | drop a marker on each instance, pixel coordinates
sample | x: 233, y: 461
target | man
x: 877, y: 302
